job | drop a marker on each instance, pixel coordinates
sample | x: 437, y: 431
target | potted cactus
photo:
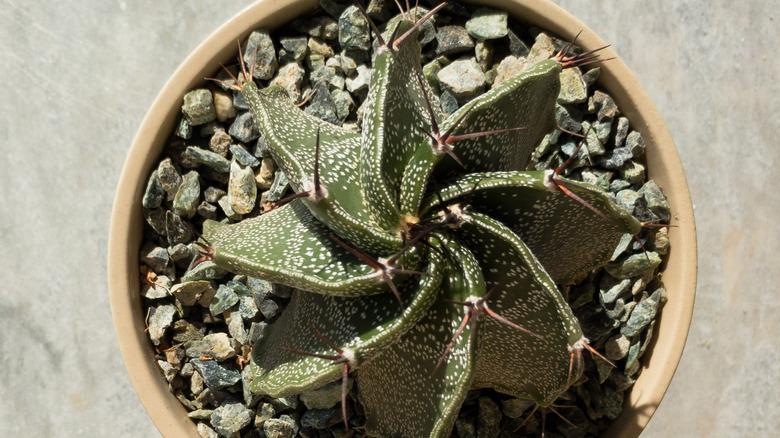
x: 425, y: 258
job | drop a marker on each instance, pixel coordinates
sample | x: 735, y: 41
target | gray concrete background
x: 77, y: 77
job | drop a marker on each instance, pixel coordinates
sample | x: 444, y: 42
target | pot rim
x: 663, y: 165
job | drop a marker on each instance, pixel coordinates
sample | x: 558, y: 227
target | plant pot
x: 663, y: 164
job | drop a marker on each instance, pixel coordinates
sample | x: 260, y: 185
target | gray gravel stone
x: 453, y: 40
x: 223, y: 105
x: 358, y: 84
x: 616, y: 158
x: 209, y: 159
x: 291, y: 77
x: 160, y: 318
x: 230, y: 418
x: 635, y: 142
x: 168, y: 370
x: 256, y: 332
x: 260, y: 47
x: 198, y: 107
x: 489, y: 419
x: 282, y: 427
x: 235, y: 323
x: 269, y: 308
x: 616, y: 347
x: 155, y: 257
x: 184, y: 331
x: 488, y: 24
x: 621, y: 132
x: 220, y: 142
x: 217, y: 346
x: 224, y: 204
x: 175, y: 229
x: 293, y: 49
x: 514, y: 407
x: 322, y: 105
x: 207, y: 210
x: 170, y: 178
x: 243, y: 156
x: 568, y: 118
x: 212, y: 194
x: 463, y: 78
x: 242, y: 189
x: 206, y: 432
x: 185, y: 203
x: 279, y: 186
x: 244, y: 128
x: 189, y: 292
x: 321, y: 418
x: 606, y: 105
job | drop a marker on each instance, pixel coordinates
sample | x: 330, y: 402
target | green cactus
x: 425, y: 258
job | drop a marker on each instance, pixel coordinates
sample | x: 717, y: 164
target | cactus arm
x: 362, y: 325
x: 402, y: 394
x: 512, y: 362
x: 564, y: 235
x: 288, y: 246
x: 292, y: 145
x: 525, y: 100
x: 394, y: 109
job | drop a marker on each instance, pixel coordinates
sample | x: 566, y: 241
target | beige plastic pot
x: 663, y: 165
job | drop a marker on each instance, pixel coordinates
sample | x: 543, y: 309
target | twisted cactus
x: 425, y: 259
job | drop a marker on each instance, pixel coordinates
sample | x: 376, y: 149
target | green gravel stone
x: 634, y: 172
x: 488, y: 24
x: 154, y: 193
x: 210, y: 159
x: 201, y: 414
x: 643, y: 313
x: 634, y: 266
x: 656, y: 200
x: 223, y: 300
x: 230, y: 418
x: 353, y: 30
x: 185, y: 203
x: 205, y: 271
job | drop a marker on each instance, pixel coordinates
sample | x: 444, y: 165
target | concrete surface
x: 77, y: 77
